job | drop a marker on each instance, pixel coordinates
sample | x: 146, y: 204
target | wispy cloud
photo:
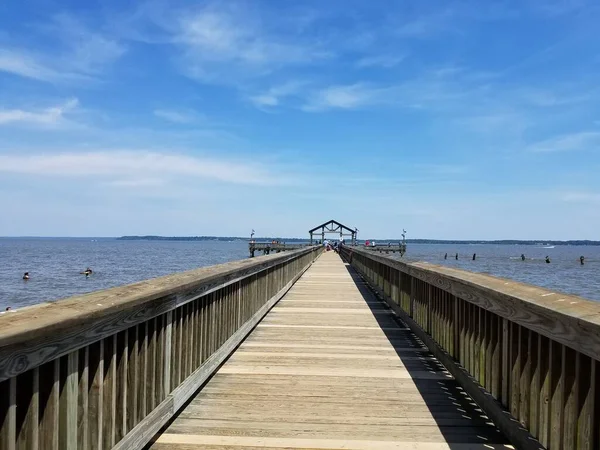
x: 128, y: 167
x: 224, y: 42
x: 274, y: 95
x: 52, y: 116
x: 380, y: 61
x: 580, y: 197
x: 345, y: 97
x: 80, y: 54
x: 576, y: 141
x: 182, y: 116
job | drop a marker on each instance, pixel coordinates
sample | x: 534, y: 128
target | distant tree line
x: 383, y: 241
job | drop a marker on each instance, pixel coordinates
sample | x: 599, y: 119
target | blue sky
x: 451, y: 119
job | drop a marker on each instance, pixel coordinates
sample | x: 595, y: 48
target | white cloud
x: 570, y: 142
x: 274, y: 95
x: 223, y: 43
x: 346, y: 97
x: 381, y: 61
x: 46, y: 117
x: 22, y: 64
x: 81, y: 54
x: 580, y: 197
x: 178, y: 116
x: 129, y: 167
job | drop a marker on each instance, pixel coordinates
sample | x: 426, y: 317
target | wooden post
x: 67, y: 438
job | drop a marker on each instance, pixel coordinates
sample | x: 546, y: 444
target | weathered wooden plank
x: 69, y: 390
x: 534, y: 385
x: 167, y: 355
x: 544, y: 367
x: 571, y: 398
x: 121, y: 385
x: 570, y: 320
x: 159, y: 361
x: 32, y: 336
x: 557, y: 393
x: 497, y: 357
x: 27, y: 420
x: 83, y: 399
x: 133, y: 386
x: 96, y: 395
x: 586, y: 376
x: 524, y: 376
x: 506, y: 362
x: 142, y: 377
x: 515, y: 368
x: 151, y: 367
x: 49, y: 381
x: 109, y: 401
x: 8, y: 413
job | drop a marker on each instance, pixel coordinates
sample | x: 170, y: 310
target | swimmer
x: 87, y: 272
x: 582, y: 260
x: 26, y: 276
x: 522, y: 256
x: 547, y: 260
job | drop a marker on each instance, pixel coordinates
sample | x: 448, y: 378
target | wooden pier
x: 272, y: 247
x: 305, y: 350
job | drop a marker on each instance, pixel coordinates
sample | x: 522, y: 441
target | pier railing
x: 529, y: 357
x: 107, y: 370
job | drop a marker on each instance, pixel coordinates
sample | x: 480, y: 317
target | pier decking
x: 304, y: 349
x: 331, y: 367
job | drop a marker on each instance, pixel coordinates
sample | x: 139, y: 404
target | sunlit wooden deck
x: 331, y: 368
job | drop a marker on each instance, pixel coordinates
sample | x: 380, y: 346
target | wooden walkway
x: 331, y: 368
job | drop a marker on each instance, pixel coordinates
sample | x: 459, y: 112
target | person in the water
x: 522, y: 256
x: 26, y: 276
x: 474, y: 256
x: 456, y: 257
x: 446, y: 256
x: 87, y: 272
x: 547, y: 260
x: 582, y: 260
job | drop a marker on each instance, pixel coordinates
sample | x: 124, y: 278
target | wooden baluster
x: 121, y: 386
x: 544, y: 368
x: 96, y: 395
x: 49, y: 382
x: 83, y: 399
x: 571, y: 397
x: 133, y: 371
x: 28, y: 395
x: 534, y: 385
x: 109, y: 390
x: 586, y: 373
x: 557, y: 393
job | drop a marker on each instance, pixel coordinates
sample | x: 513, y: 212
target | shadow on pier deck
x: 331, y: 367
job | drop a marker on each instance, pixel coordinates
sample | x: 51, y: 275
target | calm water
x: 563, y: 274
x: 54, y: 264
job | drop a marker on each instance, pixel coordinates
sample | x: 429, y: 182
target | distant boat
x: 548, y: 246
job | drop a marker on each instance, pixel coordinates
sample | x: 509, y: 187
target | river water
x: 54, y: 264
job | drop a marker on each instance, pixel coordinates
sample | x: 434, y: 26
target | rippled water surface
x: 563, y: 274
x: 54, y: 264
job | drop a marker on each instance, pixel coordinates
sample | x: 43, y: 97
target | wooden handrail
x: 106, y: 370
x: 515, y: 348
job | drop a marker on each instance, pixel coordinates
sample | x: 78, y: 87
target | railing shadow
x: 458, y: 418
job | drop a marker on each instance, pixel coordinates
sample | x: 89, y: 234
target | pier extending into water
x: 305, y: 349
